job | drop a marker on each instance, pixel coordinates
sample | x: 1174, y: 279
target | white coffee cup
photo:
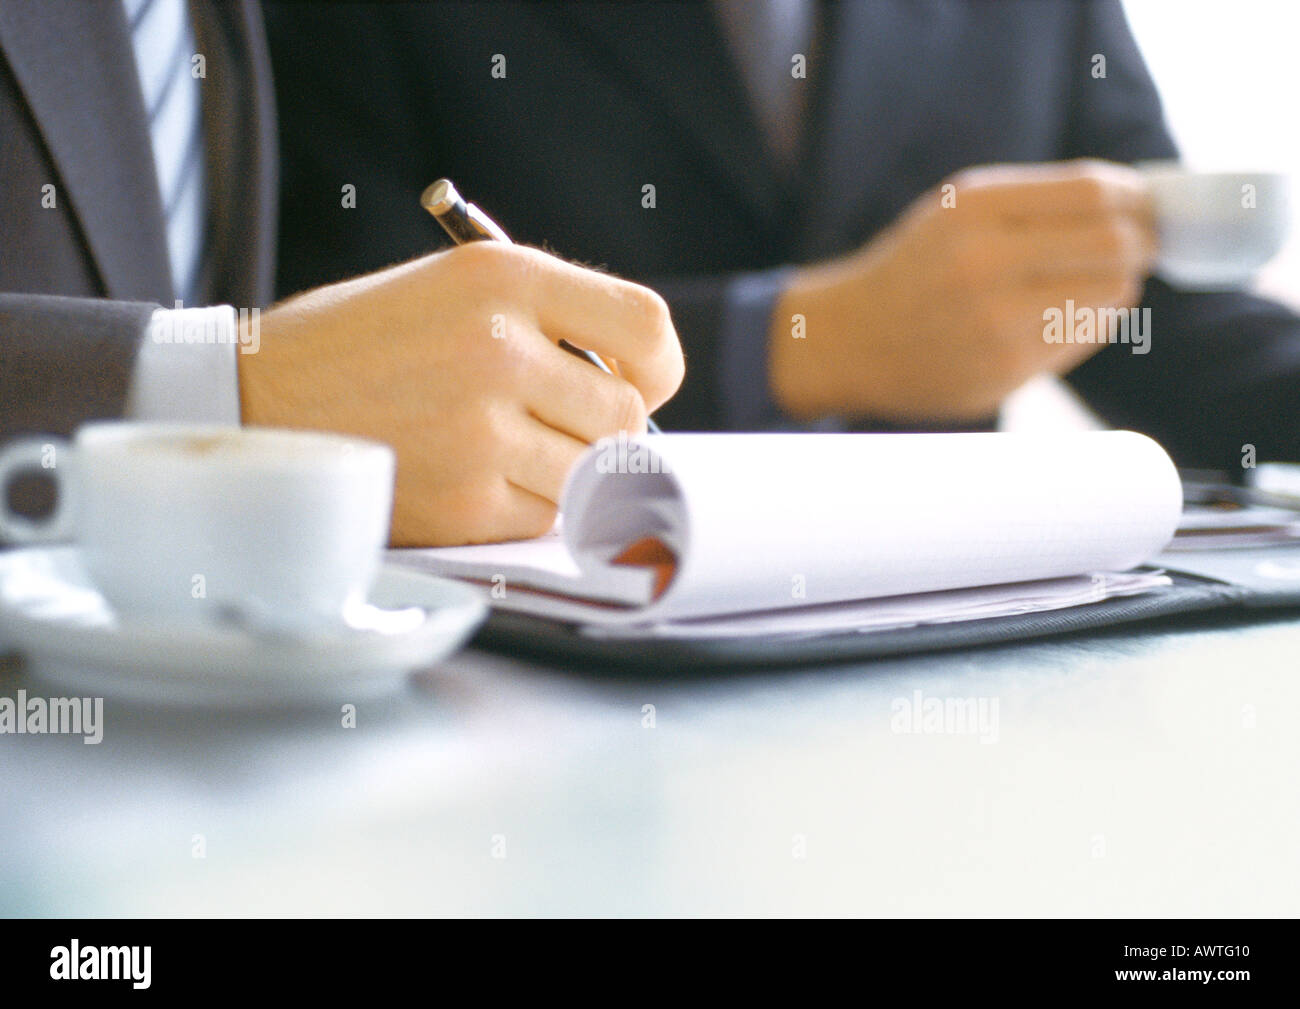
x: 194, y: 524
x: 1215, y: 229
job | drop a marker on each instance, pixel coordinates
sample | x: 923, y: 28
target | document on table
x: 668, y: 529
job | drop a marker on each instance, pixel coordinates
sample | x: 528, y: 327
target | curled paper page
x: 683, y: 526
x: 762, y: 522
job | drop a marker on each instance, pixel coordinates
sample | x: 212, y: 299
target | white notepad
x: 769, y: 524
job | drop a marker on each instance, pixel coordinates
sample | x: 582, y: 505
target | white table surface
x: 1133, y: 773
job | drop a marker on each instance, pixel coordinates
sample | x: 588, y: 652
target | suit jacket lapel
x: 706, y: 95
x: 75, y: 65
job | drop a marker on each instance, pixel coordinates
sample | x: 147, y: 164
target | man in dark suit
x: 138, y: 170
x: 797, y: 224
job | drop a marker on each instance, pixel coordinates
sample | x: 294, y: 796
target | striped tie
x: 164, y: 47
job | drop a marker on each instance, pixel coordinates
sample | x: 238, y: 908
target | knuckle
x: 653, y: 325
x: 655, y: 309
x: 493, y: 431
x: 481, y: 324
x: 494, y: 351
x: 508, y: 356
x: 1094, y: 190
x: 479, y: 432
x: 502, y: 436
x: 483, y: 264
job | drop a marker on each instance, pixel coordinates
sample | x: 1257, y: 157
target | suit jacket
x: 599, y: 100
x: 80, y: 279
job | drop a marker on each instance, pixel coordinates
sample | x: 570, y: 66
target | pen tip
x: 439, y: 197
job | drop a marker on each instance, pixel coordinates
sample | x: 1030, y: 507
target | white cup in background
x: 192, y: 524
x: 1216, y: 229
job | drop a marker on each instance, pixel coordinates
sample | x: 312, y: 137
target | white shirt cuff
x: 185, y: 370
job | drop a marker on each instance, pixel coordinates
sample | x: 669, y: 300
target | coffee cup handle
x: 49, y: 455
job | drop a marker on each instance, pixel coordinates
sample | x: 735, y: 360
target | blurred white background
x: 1229, y: 75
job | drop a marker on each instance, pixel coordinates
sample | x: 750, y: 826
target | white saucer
x: 70, y: 636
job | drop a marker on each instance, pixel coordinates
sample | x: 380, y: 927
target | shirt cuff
x: 748, y: 303
x: 185, y: 370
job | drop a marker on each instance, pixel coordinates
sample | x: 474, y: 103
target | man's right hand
x: 940, y: 316
x: 453, y: 360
